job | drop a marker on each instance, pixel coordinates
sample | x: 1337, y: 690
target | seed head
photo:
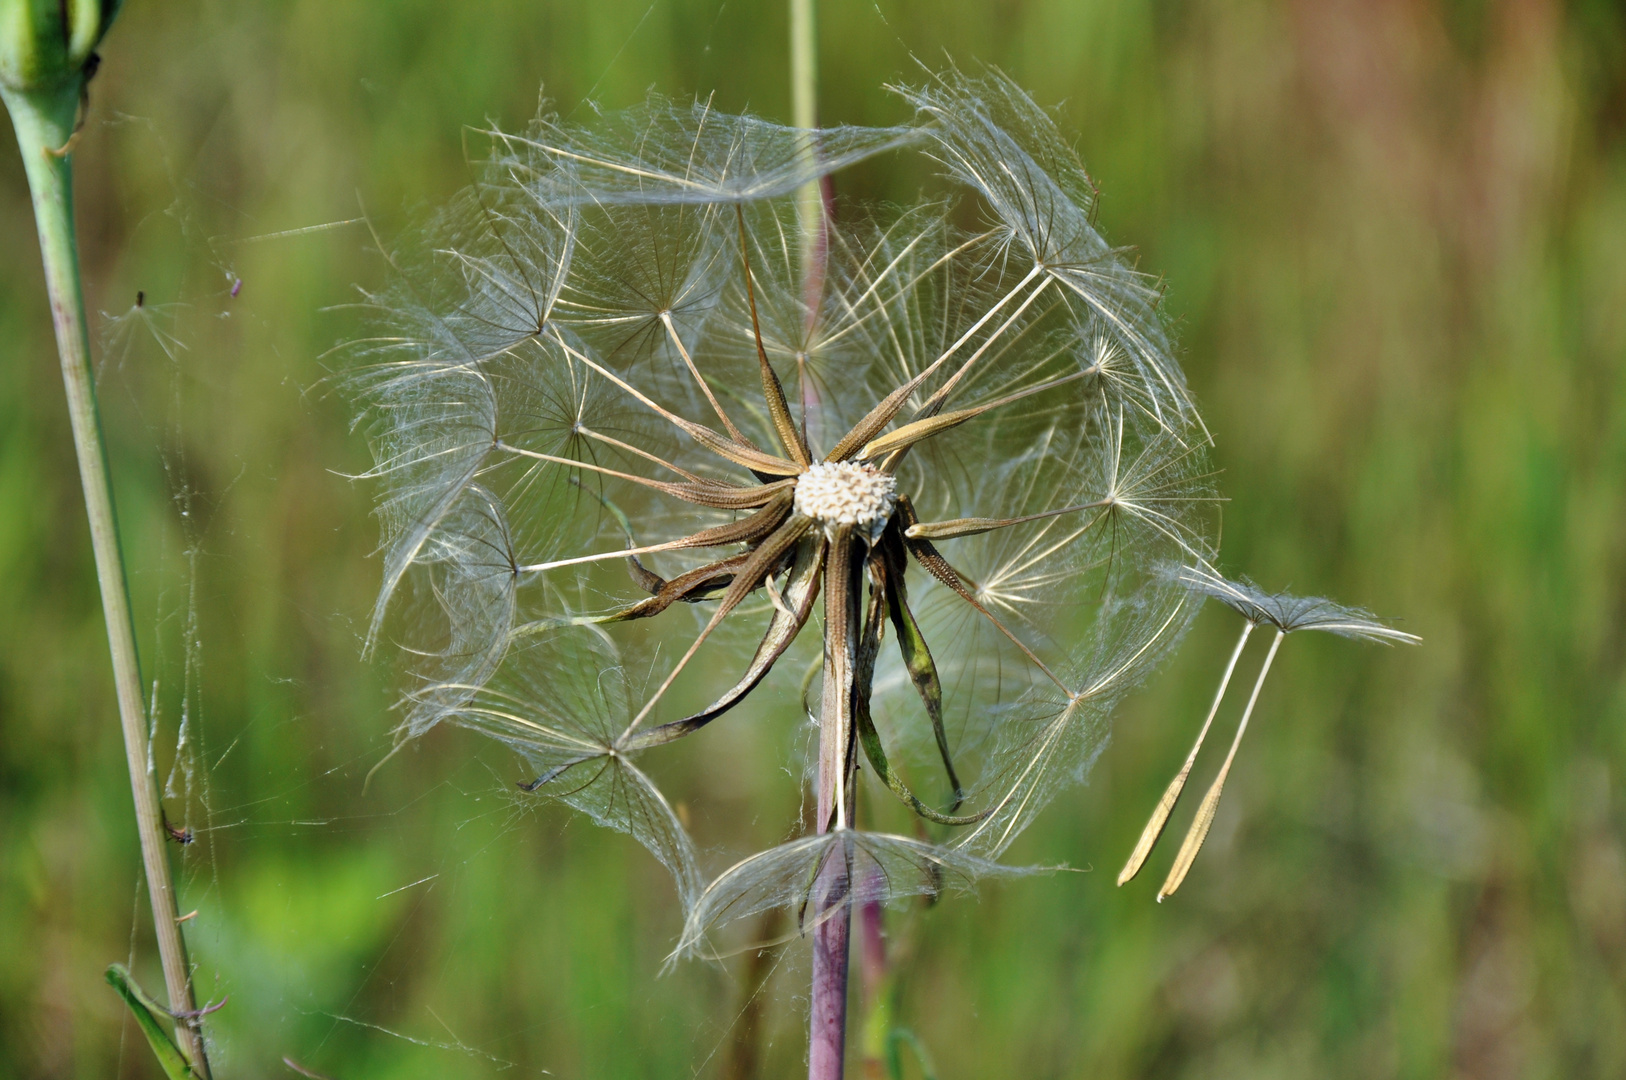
x: 843, y: 493
x: 611, y: 391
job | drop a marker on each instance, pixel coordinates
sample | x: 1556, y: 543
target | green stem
x: 44, y: 121
x: 804, y: 69
x: 804, y: 112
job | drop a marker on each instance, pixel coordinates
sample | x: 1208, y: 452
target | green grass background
x: 1393, y: 235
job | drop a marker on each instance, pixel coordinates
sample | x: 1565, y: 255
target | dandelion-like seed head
x: 619, y: 381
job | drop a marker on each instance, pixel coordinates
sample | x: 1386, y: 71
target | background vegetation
x: 1394, y: 238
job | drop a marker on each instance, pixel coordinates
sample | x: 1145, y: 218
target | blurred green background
x: 1393, y: 234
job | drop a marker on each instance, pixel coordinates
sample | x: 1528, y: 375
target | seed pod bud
x: 47, y: 45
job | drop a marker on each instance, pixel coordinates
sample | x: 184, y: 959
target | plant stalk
x: 44, y: 121
x: 827, y: 1008
x: 804, y: 111
x: 874, y: 983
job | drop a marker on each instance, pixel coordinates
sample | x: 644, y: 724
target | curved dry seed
x: 1210, y: 804
x: 1165, y: 805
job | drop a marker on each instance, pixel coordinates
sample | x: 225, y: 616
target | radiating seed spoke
x: 938, y: 567
x: 705, y: 387
x: 744, y: 531
x: 919, y: 430
x: 876, y: 419
x: 958, y: 527
x: 935, y: 402
x: 751, y: 575
x: 718, y: 496
x: 639, y: 452
x: 719, y: 444
x: 882, y: 414
x: 773, y: 393
x: 801, y: 589
x: 993, y: 309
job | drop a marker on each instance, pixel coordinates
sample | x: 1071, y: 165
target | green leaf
x: 895, y: 1040
x: 871, y: 740
x: 918, y: 659
x: 880, y: 592
x: 144, y: 1007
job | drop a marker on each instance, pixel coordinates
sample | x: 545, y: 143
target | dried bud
x: 48, y: 45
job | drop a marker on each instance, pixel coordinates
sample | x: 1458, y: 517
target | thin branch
x: 44, y: 122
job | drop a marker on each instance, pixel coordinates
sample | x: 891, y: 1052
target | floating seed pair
x: 1286, y: 614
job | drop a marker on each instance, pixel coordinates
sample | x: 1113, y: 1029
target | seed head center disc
x: 842, y: 493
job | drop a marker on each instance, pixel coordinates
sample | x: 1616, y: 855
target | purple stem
x: 827, y: 1032
x: 832, y: 891
x: 871, y: 946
